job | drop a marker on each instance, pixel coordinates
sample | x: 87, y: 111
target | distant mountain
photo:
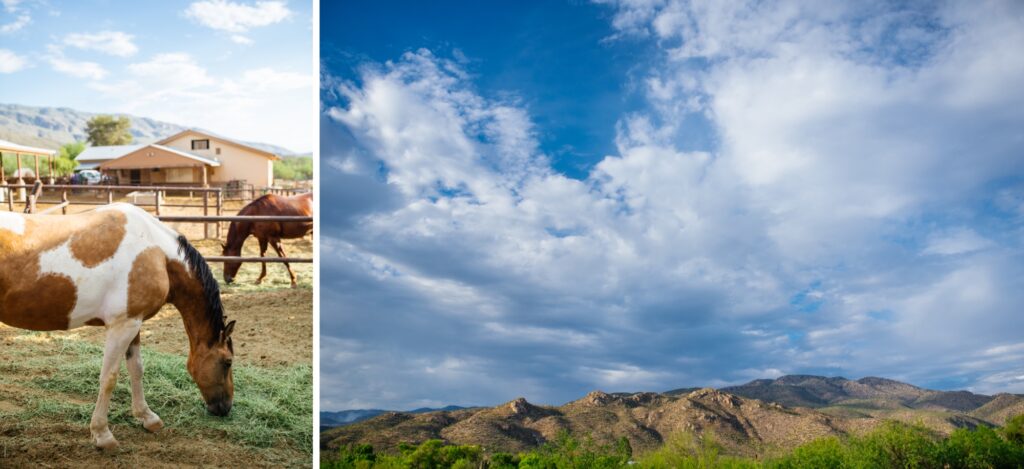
x: 819, y: 391
x: 51, y: 127
x: 345, y: 417
x: 747, y: 419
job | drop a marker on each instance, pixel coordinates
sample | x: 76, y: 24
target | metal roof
x: 19, y: 148
x: 100, y: 154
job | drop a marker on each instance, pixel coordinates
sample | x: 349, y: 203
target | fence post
x: 10, y: 198
x: 220, y: 207
x: 64, y: 200
x: 110, y: 196
x: 157, y: 195
x: 206, y: 212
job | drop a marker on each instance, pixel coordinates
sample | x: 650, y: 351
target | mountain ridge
x: 745, y: 425
x: 51, y: 127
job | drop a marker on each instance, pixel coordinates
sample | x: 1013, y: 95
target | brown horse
x: 268, y: 232
x: 116, y: 267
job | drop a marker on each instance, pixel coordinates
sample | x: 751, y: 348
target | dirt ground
x: 274, y: 328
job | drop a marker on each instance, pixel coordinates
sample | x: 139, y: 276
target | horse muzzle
x: 220, y: 408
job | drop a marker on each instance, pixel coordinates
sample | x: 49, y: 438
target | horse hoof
x: 106, y: 442
x: 154, y: 425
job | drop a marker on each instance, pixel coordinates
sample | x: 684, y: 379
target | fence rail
x: 254, y: 218
x: 64, y: 203
x: 256, y: 259
x: 216, y: 206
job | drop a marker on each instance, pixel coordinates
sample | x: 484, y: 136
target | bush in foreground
x: 892, y: 445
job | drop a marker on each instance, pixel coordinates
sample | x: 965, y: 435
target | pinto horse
x: 268, y: 232
x: 116, y: 267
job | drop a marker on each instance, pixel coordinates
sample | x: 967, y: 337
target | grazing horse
x: 268, y: 232
x: 115, y: 267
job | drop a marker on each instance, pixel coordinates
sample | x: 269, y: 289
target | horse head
x: 210, y: 367
x: 231, y: 267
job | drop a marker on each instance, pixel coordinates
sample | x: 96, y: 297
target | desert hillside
x: 749, y: 419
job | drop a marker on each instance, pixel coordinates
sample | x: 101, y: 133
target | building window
x: 201, y: 144
x: 218, y: 150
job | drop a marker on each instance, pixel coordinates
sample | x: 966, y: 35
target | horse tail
x: 211, y: 290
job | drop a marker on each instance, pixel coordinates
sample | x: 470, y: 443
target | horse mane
x: 211, y: 290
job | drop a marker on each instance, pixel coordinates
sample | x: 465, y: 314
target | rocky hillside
x: 749, y: 419
x: 1000, y: 408
x: 645, y: 418
x: 51, y: 127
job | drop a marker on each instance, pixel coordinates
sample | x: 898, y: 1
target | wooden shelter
x: 23, y: 150
x: 160, y: 165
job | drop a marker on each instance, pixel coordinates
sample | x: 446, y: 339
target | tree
x: 72, y: 150
x: 108, y: 130
x: 65, y: 162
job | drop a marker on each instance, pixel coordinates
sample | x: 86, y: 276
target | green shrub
x: 979, y: 448
x: 891, y: 445
x: 823, y: 453
x: 1014, y: 430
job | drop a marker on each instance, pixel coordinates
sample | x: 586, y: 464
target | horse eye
x: 227, y: 363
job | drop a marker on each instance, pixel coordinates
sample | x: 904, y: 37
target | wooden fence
x: 258, y: 218
x: 218, y: 194
x: 33, y: 199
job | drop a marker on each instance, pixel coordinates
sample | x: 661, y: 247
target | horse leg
x: 140, y: 409
x: 280, y: 253
x: 119, y: 336
x: 263, y: 253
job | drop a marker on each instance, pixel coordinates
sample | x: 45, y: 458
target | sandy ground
x: 275, y: 327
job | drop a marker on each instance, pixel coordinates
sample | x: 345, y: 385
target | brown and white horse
x: 268, y: 232
x: 115, y: 267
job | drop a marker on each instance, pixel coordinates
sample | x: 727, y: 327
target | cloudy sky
x: 239, y: 68
x: 634, y: 195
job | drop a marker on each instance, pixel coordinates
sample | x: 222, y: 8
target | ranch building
x: 188, y: 158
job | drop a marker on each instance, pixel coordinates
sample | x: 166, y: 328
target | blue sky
x: 542, y: 200
x: 239, y: 68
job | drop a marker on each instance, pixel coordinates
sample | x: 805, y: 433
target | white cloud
x: 114, y: 43
x: 173, y: 72
x: 20, y: 22
x: 240, y: 39
x: 955, y: 241
x: 11, y: 62
x: 175, y: 87
x: 11, y: 5
x: 76, y: 68
x: 236, y: 18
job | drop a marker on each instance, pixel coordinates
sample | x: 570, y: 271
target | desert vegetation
x: 891, y: 445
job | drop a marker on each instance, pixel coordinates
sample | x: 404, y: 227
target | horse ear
x: 227, y: 331
x: 223, y: 246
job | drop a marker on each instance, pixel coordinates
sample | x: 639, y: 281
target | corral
x: 48, y: 380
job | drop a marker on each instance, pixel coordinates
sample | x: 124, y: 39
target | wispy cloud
x: 20, y: 22
x: 114, y: 43
x: 175, y: 87
x: 11, y: 62
x: 76, y: 68
x: 237, y: 18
